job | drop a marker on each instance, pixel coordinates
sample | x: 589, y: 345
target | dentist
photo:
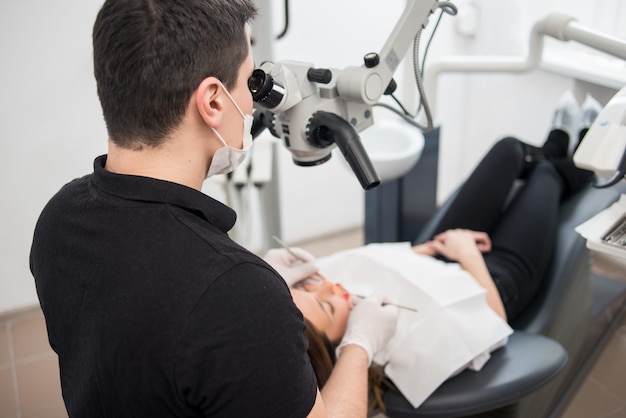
x: 152, y: 309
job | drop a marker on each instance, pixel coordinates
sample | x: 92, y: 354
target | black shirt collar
x: 147, y: 189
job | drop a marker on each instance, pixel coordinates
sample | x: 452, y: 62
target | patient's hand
x: 425, y: 249
x: 459, y: 244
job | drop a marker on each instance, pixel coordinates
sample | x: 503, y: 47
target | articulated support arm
x: 296, y: 91
x: 558, y: 26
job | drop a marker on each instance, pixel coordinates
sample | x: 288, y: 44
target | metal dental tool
x: 286, y: 247
x: 389, y: 303
x: 290, y: 251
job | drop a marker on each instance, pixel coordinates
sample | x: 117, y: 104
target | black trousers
x: 523, y: 231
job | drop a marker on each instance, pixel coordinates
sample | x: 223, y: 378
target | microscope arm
x: 368, y: 82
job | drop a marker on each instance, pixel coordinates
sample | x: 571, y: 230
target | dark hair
x: 150, y: 55
x: 321, y: 352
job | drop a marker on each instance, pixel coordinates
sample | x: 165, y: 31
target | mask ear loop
x: 231, y: 99
x: 236, y: 106
x: 219, y: 136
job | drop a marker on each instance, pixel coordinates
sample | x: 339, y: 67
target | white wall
x: 50, y: 122
x: 51, y: 127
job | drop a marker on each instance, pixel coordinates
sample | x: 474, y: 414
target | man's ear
x: 209, y: 101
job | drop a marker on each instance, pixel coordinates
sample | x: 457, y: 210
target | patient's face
x: 326, y: 304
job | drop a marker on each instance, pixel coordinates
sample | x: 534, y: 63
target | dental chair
x: 555, y: 341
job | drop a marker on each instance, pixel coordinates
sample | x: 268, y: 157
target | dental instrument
x: 290, y: 251
x: 388, y: 303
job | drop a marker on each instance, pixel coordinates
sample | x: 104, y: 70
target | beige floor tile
x: 618, y: 414
x: 610, y: 370
x: 329, y: 244
x: 57, y: 410
x: 30, y: 337
x: 38, y: 384
x: 8, y: 397
x: 5, y: 353
x: 593, y: 401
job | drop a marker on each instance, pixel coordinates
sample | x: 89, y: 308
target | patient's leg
x: 524, y: 239
x: 480, y: 199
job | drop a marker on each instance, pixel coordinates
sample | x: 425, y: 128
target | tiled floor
x: 602, y: 395
x: 29, y: 371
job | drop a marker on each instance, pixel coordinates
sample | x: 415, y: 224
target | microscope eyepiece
x: 265, y: 90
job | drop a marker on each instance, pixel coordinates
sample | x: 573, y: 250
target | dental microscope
x: 313, y: 110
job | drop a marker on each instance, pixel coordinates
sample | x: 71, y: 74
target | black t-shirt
x: 155, y: 312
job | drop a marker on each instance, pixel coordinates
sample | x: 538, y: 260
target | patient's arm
x: 466, y: 248
x: 476, y: 267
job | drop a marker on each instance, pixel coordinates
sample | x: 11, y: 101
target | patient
x: 504, y: 246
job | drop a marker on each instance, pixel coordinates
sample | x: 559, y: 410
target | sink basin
x: 393, y: 146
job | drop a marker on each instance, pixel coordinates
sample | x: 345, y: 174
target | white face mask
x: 227, y: 158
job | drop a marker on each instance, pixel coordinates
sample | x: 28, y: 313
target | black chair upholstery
x: 525, y: 364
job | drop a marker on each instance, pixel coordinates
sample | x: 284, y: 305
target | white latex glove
x: 292, y: 268
x: 371, y: 325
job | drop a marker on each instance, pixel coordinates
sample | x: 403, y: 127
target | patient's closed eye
x: 328, y: 308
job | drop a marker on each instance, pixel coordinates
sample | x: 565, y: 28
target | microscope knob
x: 371, y: 60
x: 320, y: 75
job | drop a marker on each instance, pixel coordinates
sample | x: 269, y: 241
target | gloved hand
x: 371, y: 325
x: 292, y: 268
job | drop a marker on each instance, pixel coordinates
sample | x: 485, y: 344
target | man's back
x: 154, y: 311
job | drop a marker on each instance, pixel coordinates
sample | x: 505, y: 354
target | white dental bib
x: 453, y: 327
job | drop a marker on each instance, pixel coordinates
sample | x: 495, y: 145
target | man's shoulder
x: 248, y: 288
x: 63, y: 200
x: 70, y: 190
x: 252, y: 277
